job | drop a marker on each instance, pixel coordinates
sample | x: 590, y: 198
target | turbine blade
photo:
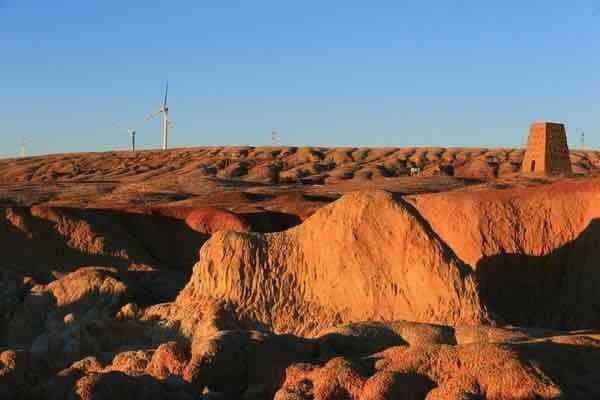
x: 166, y: 93
x: 153, y: 115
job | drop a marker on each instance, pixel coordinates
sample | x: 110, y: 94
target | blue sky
x: 353, y: 73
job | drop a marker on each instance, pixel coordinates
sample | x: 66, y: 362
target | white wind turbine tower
x: 166, y: 123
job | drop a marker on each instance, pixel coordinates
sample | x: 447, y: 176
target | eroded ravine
x: 100, y: 296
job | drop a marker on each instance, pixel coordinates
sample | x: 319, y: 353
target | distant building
x: 547, y: 151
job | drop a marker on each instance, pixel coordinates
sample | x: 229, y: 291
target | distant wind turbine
x: 164, y: 112
x: 131, y: 134
x: 24, y: 143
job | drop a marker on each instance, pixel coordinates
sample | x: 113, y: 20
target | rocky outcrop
x: 169, y: 360
x: 39, y: 240
x: 429, y: 372
x: 19, y: 372
x: 118, y: 385
x: 530, y: 221
x: 60, y: 322
x: 534, y: 250
x: 367, y: 256
x: 526, y: 255
x: 210, y: 220
x: 357, y: 361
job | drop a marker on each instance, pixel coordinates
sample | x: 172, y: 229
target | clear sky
x: 346, y: 73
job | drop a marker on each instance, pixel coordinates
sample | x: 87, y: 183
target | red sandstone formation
x: 377, y: 256
x: 534, y: 250
x: 211, y: 220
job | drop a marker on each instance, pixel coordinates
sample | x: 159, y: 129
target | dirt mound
x: 261, y: 365
x: 38, y: 240
x: 534, y: 364
x: 40, y: 244
x: 534, y: 250
x: 366, y: 256
x: 52, y: 320
x: 429, y: 372
x: 211, y: 220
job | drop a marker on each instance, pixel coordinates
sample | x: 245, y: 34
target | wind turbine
x: 131, y: 133
x: 24, y: 143
x: 166, y: 123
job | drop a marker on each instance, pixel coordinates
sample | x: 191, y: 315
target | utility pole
x: 582, y: 140
x: 274, y: 138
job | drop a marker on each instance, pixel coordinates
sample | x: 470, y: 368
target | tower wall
x: 547, y: 150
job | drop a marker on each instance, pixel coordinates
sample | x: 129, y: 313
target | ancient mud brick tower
x: 547, y: 151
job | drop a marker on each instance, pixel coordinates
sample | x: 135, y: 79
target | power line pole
x: 582, y: 140
x: 274, y: 139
